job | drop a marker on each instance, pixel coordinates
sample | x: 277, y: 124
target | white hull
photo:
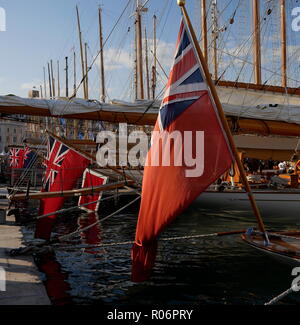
x: 275, y: 203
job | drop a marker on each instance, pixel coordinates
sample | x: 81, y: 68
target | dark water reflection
x: 220, y: 270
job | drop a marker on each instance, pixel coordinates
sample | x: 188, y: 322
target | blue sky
x: 40, y: 30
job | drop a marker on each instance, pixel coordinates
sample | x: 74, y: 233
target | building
x: 13, y: 133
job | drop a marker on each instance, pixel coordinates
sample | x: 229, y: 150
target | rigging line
x: 228, y: 30
x: 89, y: 68
x: 64, y: 237
x: 262, y: 25
x: 24, y: 174
x: 72, y: 208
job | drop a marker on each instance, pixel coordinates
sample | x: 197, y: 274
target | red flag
x: 14, y: 157
x: 91, y: 179
x: 199, y: 153
x: 18, y: 157
x: 63, y: 168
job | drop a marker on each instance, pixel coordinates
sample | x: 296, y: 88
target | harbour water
x: 219, y: 270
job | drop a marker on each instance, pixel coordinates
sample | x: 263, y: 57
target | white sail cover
x: 242, y: 103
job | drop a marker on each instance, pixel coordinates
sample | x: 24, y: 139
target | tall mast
x: 224, y: 121
x: 45, y: 89
x: 67, y: 77
x: 41, y: 90
x: 86, y: 72
x: 147, y: 65
x: 154, y: 62
x: 215, y: 37
x: 58, y: 81
x: 81, y: 52
x: 49, y: 75
x: 52, y: 78
x: 256, y: 47
x: 283, y: 43
x: 102, y: 76
x: 139, y: 47
x: 74, y: 86
x: 204, y: 29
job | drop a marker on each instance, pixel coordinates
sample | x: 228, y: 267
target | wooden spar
x: 74, y: 76
x: 154, y: 62
x: 52, y: 78
x: 223, y: 120
x: 215, y: 37
x: 58, y: 80
x: 102, y: 75
x: 204, y: 29
x: 283, y: 43
x: 86, y: 71
x: 68, y: 193
x: 67, y: 77
x: 50, y: 87
x: 140, y: 79
x: 45, y: 88
x: 86, y: 123
x: 88, y: 155
x: 251, y: 86
x: 256, y: 35
x: 81, y: 52
x: 147, y: 65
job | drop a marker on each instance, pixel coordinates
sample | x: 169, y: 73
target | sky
x: 38, y: 31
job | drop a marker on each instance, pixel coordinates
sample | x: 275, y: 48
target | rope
x: 72, y: 208
x: 283, y: 295
x: 132, y: 242
x: 96, y: 223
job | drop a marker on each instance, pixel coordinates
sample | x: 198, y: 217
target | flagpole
x: 223, y: 119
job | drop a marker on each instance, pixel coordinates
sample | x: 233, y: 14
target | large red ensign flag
x: 188, y: 116
x: 64, y: 166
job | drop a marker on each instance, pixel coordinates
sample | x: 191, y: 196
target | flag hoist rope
x: 222, y: 117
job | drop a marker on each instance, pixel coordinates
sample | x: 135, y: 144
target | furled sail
x: 188, y: 110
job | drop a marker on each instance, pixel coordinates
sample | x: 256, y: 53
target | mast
x: 139, y: 49
x: 41, y: 90
x: 223, y: 120
x: 49, y: 75
x: 74, y: 86
x: 81, y: 52
x: 283, y: 44
x: 58, y: 81
x: 256, y: 47
x: 215, y: 37
x: 52, y: 78
x: 86, y: 72
x: 154, y: 62
x: 204, y: 29
x: 147, y: 65
x: 45, y: 89
x: 102, y: 76
x: 67, y: 77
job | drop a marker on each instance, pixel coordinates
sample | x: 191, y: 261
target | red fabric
x: 18, y: 157
x: 71, y: 169
x: 167, y: 191
x: 91, y: 179
x: 91, y: 236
